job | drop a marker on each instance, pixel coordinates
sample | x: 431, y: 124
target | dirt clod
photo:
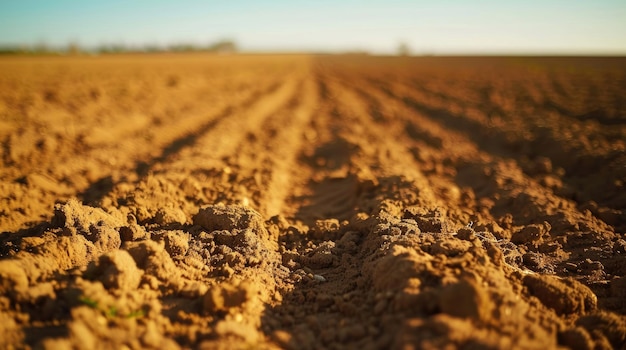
x: 225, y: 297
x: 564, y: 297
x: 234, y: 217
x: 116, y: 270
x: 465, y: 299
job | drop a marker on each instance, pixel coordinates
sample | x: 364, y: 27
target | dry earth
x: 308, y: 202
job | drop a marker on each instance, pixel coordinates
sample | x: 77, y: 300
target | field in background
x: 298, y: 201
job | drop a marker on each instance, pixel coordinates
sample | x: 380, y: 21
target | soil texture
x: 312, y: 202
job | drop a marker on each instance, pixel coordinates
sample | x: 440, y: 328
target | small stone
x: 319, y: 278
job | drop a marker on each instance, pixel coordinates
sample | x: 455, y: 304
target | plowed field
x: 309, y: 202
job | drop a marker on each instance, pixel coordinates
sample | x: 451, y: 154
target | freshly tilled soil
x: 307, y: 202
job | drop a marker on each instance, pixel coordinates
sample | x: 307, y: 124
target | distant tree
x: 153, y: 48
x: 13, y: 50
x: 112, y: 48
x: 403, y: 49
x: 223, y: 46
x: 41, y: 48
x: 73, y: 48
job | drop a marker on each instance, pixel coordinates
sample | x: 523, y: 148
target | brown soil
x: 195, y: 201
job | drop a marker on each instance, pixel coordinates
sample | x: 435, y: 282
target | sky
x: 378, y: 26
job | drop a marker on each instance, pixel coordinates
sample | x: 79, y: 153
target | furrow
x: 483, y: 188
x: 284, y: 138
x: 570, y: 145
x: 112, y: 160
x: 325, y: 202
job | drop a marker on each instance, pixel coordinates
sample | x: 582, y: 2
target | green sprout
x: 89, y: 302
x: 136, y: 314
x: 112, y: 310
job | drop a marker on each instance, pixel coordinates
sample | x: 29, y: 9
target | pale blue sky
x: 447, y: 26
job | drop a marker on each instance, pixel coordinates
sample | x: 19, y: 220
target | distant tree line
x: 222, y: 46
